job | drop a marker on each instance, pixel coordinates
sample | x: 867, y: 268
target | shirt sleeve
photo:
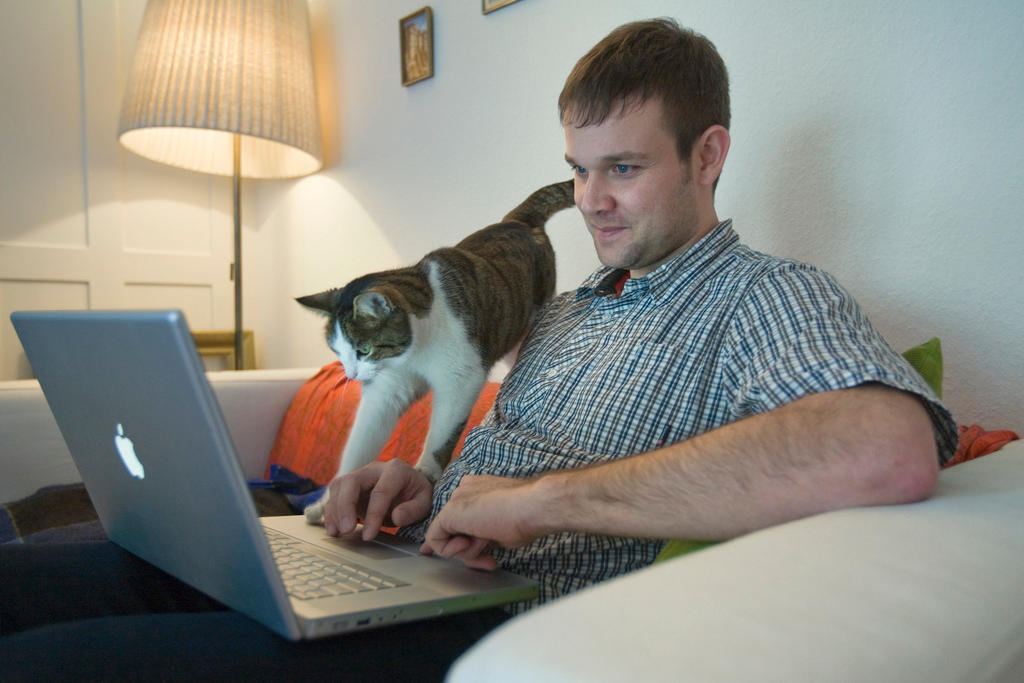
x: 797, y: 332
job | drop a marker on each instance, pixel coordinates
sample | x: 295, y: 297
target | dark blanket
x: 64, y: 514
x: 55, y: 514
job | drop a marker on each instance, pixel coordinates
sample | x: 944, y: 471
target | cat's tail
x: 542, y: 204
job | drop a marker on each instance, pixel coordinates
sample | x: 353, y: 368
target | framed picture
x: 416, y: 33
x: 491, y: 5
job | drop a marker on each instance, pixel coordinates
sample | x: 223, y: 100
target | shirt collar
x: 664, y: 280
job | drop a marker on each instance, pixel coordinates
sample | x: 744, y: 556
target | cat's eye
x: 363, y: 351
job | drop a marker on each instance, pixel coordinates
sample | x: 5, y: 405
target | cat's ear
x: 372, y: 304
x: 324, y: 302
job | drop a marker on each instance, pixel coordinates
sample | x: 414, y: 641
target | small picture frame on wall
x: 491, y: 5
x: 416, y: 36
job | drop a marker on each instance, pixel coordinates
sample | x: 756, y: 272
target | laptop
x: 131, y: 398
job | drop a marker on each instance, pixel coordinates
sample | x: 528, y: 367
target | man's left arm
x: 868, y: 445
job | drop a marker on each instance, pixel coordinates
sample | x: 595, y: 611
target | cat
x: 440, y: 324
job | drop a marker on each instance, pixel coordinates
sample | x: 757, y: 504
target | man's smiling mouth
x: 608, y: 231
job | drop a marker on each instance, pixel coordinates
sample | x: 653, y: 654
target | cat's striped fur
x: 440, y: 324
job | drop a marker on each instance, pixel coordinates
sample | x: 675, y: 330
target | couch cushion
x: 317, y: 423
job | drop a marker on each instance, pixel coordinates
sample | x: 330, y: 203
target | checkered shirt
x: 718, y: 333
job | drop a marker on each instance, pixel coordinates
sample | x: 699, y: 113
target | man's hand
x: 388, y: 493
x: 484, y: 512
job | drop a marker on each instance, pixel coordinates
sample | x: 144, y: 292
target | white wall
x: 880, y: 140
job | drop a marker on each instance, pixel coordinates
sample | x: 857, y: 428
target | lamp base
x: 217, y: 349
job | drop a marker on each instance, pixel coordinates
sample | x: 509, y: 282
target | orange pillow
x: 976, y: 442
x: 317, y: 423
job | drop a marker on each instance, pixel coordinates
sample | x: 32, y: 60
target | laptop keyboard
x: 307, y: 575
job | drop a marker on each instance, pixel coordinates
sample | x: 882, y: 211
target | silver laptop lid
x: 169, y: 489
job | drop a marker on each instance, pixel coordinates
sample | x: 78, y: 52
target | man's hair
x: 645, y: 59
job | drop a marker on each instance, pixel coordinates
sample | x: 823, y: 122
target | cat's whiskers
x: 344, y: 383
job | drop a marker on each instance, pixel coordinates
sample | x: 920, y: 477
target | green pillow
x: 926, y: 358
x: 677, y: 547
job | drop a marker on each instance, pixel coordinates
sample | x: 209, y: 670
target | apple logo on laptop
x: 126, y: 449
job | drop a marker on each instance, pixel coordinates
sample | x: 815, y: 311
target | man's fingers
x: 438, y: 542
x: 349, y: 496
x: 410, y: 511
x: 455, y: 546
x: 381, y: 494
x: 377, y: 508
x: 473, y: 552
x: 478, y: 555
x: 388, y: 492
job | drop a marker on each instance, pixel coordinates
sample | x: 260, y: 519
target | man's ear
x: 709, y: 154
x: 324, y: 302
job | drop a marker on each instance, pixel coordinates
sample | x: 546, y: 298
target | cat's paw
x: 315, y: 511
x: 429, y: 469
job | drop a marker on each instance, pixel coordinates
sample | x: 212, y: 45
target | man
x: 690, y: 389
x: 767, y: 395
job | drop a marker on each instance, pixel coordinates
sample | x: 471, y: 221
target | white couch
x: 926, y: 592
x: 33, y: 453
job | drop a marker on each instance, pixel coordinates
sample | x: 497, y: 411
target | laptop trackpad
x: 354, y: 544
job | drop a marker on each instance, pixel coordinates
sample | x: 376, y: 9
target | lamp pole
x: 236, y: 197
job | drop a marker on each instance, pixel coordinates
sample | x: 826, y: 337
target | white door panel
x: 84, y: 223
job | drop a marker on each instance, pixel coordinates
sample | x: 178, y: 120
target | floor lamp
x: 225, y: 87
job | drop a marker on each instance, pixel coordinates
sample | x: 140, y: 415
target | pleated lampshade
x: 206, y: 70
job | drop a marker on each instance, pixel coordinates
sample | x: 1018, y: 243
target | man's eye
x: 622, y: 169
x: 579, y: 170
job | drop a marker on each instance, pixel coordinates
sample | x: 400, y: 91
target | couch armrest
x: 33, y: 453
x: 924, y: 592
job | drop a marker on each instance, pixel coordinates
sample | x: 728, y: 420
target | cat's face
x: 367, y: 337
x: 366, y: 332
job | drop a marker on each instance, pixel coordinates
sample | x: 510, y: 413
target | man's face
x: 635, y: 193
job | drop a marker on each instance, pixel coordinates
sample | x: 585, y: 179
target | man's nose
x: 592, y: 196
